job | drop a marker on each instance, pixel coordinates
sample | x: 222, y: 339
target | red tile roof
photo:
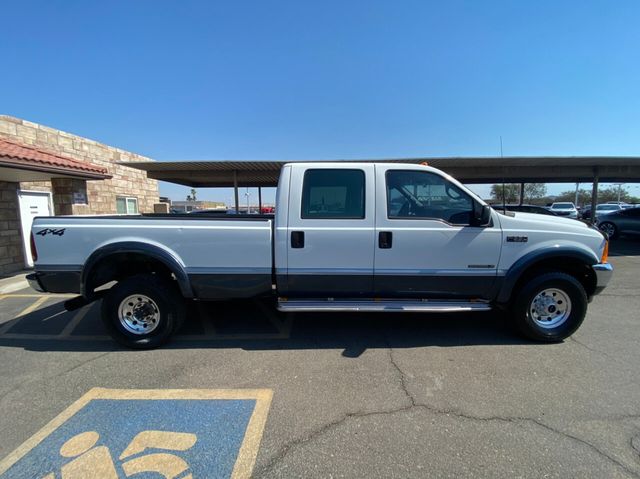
x: 35, y: 158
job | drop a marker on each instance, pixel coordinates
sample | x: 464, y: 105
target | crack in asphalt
x: 413, y: 404
x: 594, y: 350
x: 513, y: 420
x: 402, y: 377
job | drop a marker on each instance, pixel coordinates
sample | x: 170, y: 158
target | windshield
x: 608, y: 207
x: 562, y: 206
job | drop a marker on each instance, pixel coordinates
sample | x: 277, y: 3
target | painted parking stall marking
x: 27, y: 316
x: 119, y: 433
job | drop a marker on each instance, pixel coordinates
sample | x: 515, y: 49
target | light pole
x: 247, y: 194
x: 619, y: 185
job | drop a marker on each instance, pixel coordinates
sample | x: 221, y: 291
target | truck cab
x: 382, y: 230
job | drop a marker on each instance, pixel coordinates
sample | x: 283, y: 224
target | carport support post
x: 521, y: 193
x: 594, y: 195
x: 259, y: 200
x: 235, y: 190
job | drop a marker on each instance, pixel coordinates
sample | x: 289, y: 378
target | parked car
x: 625, y: 221
x: 345, y: 237
x: 564, y: 209
x: 602, y: 209
x: 540, y: 210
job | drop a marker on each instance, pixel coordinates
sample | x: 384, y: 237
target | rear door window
x: 333, y: 194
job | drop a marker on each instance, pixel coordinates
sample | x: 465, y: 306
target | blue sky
x: 289, y: 80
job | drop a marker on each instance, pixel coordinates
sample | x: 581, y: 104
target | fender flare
x: 145, y: 249
x: 530, y: 259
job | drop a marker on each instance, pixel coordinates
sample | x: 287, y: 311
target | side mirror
x: 481, y: 215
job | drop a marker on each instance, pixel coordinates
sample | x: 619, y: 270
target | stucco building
x: 44, y: 171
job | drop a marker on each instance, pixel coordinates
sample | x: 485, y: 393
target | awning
x: 542, y: 169
x: 20, y: 162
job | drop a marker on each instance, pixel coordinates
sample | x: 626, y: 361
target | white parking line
x: 68, y: 329
x: 283, y: 327
x: 57, y: 337
x: 35, y: 305
x: 33, y: 295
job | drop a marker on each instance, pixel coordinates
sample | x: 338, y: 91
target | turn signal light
x: 605, y: 252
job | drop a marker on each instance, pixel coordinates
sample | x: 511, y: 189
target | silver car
x: 565, y: 208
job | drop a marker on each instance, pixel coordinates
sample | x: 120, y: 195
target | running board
x: 383, y: 306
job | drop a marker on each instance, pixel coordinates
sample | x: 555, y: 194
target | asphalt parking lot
x: 320, y: 395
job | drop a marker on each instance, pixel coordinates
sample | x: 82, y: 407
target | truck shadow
x: 354, y: 333
x: 238, y: 326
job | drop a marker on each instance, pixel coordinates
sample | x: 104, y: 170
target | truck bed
x: 222, y: 256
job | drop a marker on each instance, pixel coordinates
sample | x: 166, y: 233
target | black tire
x: 530, y: 326
x: 165, y: 310
x: 610, y: 229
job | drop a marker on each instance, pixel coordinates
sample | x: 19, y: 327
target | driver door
x: 425, y: 244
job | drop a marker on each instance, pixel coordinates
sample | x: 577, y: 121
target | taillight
x: 34, y: 251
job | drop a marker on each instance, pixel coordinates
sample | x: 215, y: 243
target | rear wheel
x: 609, y: 229
x: 550, y: 307
x: 143, y: 311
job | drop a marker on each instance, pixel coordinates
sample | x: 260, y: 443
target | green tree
x: 532, y: 191
x: 610, y: 193
x: 192, y: 196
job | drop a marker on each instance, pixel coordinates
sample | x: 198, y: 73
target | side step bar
x: 383, y: 306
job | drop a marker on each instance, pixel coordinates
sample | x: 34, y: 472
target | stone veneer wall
x: 101, y: 194
x: 11, y: 253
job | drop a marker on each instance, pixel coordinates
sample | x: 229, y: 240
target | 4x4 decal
x: 50, y: 231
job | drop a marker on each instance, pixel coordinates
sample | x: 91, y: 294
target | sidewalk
x: 14, y: 282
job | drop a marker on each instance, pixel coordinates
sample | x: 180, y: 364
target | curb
x: 13, y: 283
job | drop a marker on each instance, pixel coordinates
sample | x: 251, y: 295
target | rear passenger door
x: 331, y: 231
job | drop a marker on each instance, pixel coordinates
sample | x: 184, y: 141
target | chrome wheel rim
x: 550, y: 308
x: 139, y: 314
x: 608, y: 228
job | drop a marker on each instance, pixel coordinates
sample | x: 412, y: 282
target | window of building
x: 424, y: 195
x: 333, y: 194
x: 126, y: 205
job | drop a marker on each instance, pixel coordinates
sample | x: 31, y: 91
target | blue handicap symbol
x: 142, y: 438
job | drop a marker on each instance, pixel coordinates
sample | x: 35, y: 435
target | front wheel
x: 550, y: 307
x: 143, y: 311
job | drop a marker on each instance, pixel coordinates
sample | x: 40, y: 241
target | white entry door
x: 32, y: 204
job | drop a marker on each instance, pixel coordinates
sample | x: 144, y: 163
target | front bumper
x: 603, y: 271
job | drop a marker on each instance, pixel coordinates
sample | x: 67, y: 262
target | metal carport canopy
x: 513, y: 169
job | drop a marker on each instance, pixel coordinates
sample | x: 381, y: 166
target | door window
x: 333, y: 194
x: 425, y: 195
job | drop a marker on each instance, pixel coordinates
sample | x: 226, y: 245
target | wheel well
x: 117, y: 266
x: 571, y: 266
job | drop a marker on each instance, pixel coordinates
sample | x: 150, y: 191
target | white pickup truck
x: 345, y: 237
